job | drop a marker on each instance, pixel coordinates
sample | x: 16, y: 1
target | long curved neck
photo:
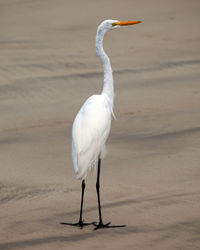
x: 108, y: 88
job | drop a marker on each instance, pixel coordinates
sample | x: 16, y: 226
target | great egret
x: 91, y: 126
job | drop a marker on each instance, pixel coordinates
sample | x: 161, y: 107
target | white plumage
x: 90, y: 131
x: 91, y: 126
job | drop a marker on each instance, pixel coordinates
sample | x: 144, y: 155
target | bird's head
x: 113, y: 24
x: 104, y: 27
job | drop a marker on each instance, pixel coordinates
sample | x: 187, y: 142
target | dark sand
x: 150, y: 177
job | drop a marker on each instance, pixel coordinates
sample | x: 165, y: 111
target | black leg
x: 97, y: 188
x: 80, y: 223
x: 82, y: 196
x: 101, y: 225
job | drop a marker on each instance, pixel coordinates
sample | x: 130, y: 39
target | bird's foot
x: 80, y: 224
x: 107, y: 225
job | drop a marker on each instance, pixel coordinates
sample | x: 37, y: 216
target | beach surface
x: 150, y: 177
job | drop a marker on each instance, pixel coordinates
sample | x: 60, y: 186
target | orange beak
x: 124, y: 23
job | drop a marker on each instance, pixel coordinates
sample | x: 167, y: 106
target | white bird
x: 92, y: 124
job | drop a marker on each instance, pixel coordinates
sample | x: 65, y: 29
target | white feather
x: 91, y: 126
x: 90, y: 131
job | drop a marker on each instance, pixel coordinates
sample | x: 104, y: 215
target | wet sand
x: 150, y: 177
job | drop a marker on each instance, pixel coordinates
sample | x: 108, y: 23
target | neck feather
x: 108, y: 88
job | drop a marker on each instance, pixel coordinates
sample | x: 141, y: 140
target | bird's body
x: 92, y: 124
x: 90, y: 131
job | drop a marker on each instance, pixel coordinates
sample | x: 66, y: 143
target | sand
x: 150, y: 177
